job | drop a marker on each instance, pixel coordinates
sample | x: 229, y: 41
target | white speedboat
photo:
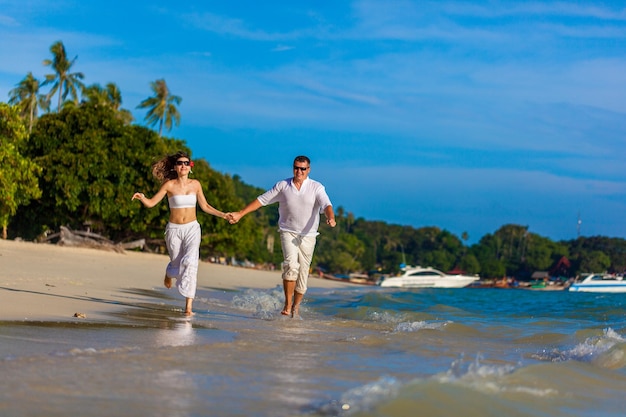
x: 418, y: 277
x: 600, y: 283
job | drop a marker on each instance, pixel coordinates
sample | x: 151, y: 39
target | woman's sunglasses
x: 186, y: 163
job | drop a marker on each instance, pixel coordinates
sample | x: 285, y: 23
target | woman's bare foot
x: 188, y: 310
x: 167, y: 282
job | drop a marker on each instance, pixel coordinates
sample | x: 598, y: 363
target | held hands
x: 233, y: 217
x: 331, y: 222
x: 138, y: 196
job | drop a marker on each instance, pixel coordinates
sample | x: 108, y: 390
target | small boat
x: 419, y: 277
x: 600, y: 283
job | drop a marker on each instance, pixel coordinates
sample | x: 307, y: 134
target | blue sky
x: 465, y: 115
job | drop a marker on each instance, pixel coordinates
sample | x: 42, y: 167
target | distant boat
x: 418, y: 277
x: 600, y: 283
x: 352, y: 278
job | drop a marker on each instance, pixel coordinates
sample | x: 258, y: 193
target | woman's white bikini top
x: 182, y: 201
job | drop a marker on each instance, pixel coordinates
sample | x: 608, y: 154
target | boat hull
x: 407, y: 282
x: 615, y: 288
x: 419, y: 277
x: 600, y: 283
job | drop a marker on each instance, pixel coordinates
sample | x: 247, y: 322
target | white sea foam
x: 262, y: 303
x: 421, y: 325
x: 364, y: 397
x: 462, y: 370
x: 487, y: 378
x: 585, y: 351
x: 595, y: 346
x: 94, y: 351
x: 384, y: 316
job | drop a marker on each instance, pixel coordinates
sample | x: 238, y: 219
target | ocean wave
x: 489, y: 378
x: 460, y: 369
x: 363, y: 398
x: 464, y: 378
x: 607, y: 350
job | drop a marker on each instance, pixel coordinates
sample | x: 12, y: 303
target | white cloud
x: 238, y: 28
x: 282, y: 48
x: 8, y: 21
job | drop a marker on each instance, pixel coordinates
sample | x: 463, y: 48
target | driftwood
x: 67, y: 237
x: 135, y: 244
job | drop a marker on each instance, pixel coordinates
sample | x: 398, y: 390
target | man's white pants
x: 297, y: 254
x: 183, y: 246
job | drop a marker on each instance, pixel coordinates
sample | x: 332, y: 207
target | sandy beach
x: 45, y: 282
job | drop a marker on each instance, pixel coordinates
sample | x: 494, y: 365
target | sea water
x: 362, y: 351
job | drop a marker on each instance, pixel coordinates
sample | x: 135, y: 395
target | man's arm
x: 236, y: 216
x: 330, y: 216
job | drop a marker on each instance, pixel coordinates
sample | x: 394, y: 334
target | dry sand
x: 45, y: 282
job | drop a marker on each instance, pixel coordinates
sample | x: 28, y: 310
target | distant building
x: 561, y: 268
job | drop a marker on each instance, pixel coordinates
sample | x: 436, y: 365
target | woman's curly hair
x: 164, y: 168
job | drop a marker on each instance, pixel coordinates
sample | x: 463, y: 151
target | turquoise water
x: 361, y: 351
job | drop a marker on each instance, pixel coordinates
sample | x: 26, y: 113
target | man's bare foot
x: 286, y: 311
x: 167, y: 282
x: 295, y: 312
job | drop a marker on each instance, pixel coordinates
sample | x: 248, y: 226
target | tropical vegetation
x: 79, y: 165
x: 161, y: 107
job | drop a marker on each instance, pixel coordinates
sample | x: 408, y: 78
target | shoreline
x: 48, y: 282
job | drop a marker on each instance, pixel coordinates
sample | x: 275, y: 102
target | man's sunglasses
x: 186, y: 163
x: 300, y: 168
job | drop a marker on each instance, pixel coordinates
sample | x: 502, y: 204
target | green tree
x: 63, y: 81
x: 18, y: 175
x: 161, y: 107
x: 341, y: 254
x: 109, y: 96
x: 247, y: 239
x: 542, y: 253
x: 492, y: 268
x: 584, y: 254
x: 594, y: 261
x: 26, y: 97
x: 488, y: 253
x: 92, y: 163
x: 513, y: 241
x: 440, y: 259
x: 470, y: 264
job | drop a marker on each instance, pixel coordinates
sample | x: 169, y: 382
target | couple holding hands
x: 300, y: 202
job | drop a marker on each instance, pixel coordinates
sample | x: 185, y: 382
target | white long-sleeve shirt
x: 298, y: 210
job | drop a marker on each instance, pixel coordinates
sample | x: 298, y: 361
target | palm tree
x: 161, y: 107
x: 62, y: 80
x: 110, y: 96
x: 96, y: 95
x: 115, y: 95
x: 26, y: 97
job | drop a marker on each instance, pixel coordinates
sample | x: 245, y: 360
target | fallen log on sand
x: 84, y: 239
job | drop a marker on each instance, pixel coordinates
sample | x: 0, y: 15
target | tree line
x: 79, y: 165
